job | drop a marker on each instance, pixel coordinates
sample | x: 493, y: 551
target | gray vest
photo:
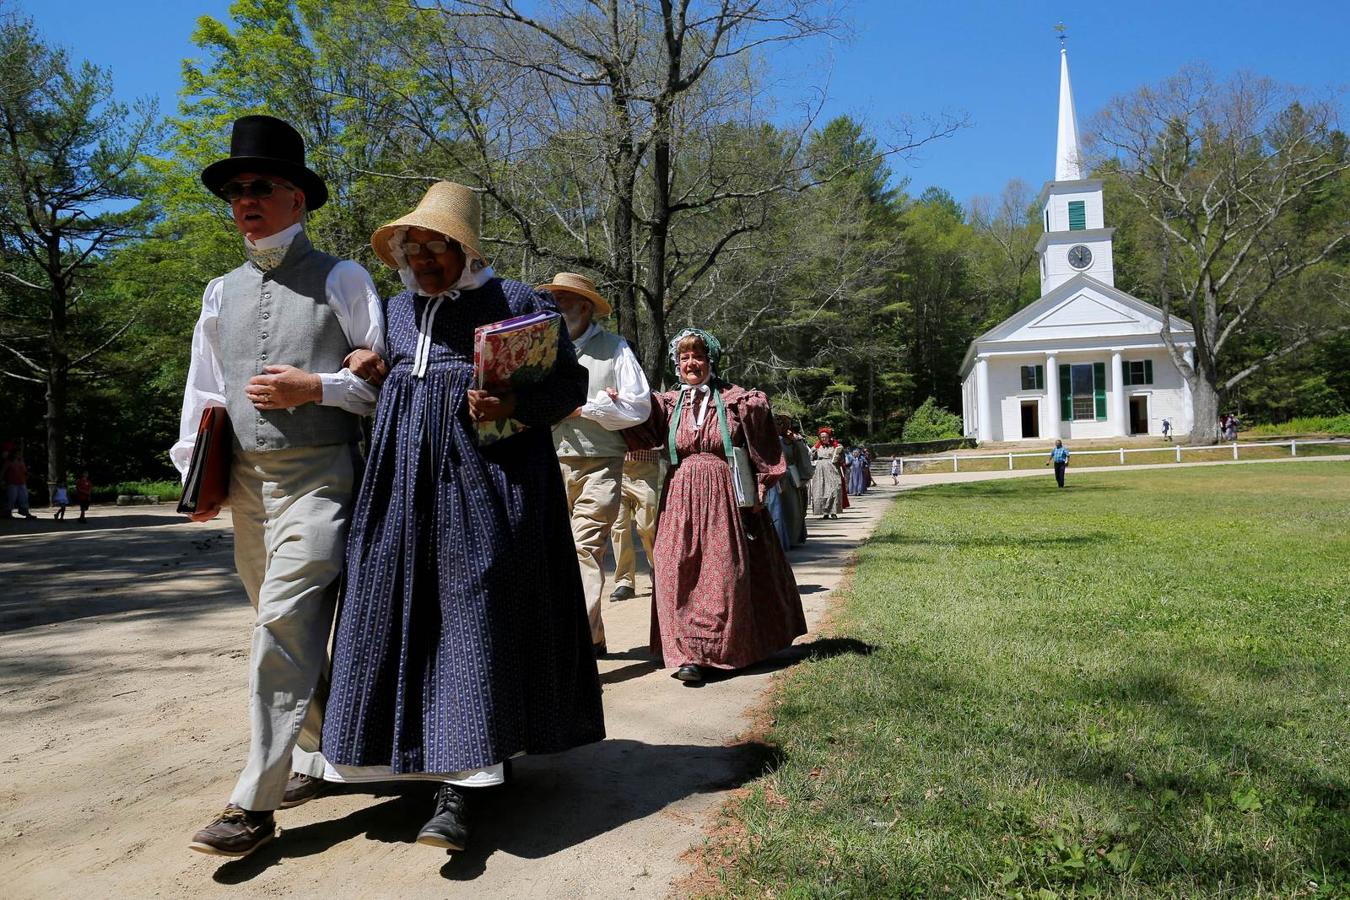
x: 282, y: 317
x: 582, y: 437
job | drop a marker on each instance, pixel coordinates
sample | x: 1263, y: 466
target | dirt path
x: 123, y: 668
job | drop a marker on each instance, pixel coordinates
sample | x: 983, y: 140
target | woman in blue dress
x: 462, y: 638
x: 857, y: 472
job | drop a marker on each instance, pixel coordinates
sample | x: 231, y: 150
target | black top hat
x: 267, y: 146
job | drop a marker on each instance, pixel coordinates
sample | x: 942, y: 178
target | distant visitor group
x: 432, y: 608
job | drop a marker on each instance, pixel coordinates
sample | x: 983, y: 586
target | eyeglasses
x: 435, y: 248
x: 258, y: 188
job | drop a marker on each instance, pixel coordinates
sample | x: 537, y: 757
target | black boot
x: 448, y: 828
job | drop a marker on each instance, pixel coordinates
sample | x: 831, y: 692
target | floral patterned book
x: 509, y: 354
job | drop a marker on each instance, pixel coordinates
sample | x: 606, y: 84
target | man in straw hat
x: 590, y: 448
x: 285, y: 343
x: 462, y: 639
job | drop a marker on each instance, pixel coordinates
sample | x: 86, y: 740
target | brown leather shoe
x: 301, y: 789
x: 235, y: 833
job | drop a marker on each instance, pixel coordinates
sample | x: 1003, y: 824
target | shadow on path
x: 821, y: 648
x: 170, y: 572
x: 552, y: 803
x: 44, y: 524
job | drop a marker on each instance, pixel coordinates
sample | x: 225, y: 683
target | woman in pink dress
x: 724, y: 594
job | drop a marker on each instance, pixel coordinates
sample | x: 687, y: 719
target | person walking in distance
x: 1059, y: 458
x: 15, y: 476
x: 84, y: 494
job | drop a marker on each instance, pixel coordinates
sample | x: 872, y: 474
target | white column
x: 1050, y: 415
x: 986, y: 415
x: 1117, y: 413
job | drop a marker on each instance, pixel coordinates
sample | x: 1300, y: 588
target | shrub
x: 164, y: 490
x: 1307, y: 425
x: 931, y: 422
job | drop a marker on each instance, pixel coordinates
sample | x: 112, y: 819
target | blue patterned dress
x: 462, y: 636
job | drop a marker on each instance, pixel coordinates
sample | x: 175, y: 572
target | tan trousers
x: 638, y: 504
x: 592, y: 484
x: 290, y: 510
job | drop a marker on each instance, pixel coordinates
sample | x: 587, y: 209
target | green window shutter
x: 1125, y: 374
x: 1077, y: 215
x: 1065, y: 394
x: 1040, y: 378
x: 1099, y: 389
x: 1148, y: 371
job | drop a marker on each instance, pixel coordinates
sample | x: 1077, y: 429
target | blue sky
x: 996, y: 62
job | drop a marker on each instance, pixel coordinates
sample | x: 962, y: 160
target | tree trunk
x: 625, y: 183
x: 58, y: 367
x: 871, y: 399
x: 660, y: 228
x: 56, y: 429
x: 1205, y: 406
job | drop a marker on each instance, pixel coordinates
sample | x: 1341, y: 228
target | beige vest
x: 582, y: 437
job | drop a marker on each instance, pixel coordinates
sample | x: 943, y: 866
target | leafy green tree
x: 1242, y: 187
x: 70, y: 160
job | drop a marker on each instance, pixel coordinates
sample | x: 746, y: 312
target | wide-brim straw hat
x: 448, y: 208
x: 572, y: 283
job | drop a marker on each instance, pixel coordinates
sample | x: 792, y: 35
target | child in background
x: 84, y: 493
x: 62, y: 500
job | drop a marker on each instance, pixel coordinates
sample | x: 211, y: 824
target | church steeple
x: 1076, y: 240
x: 1067, y: 166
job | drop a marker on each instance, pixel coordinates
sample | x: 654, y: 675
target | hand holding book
x: 507, y: 355
x: 491, y: 406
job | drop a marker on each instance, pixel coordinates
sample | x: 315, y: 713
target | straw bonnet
x: 572, y: 283
x: 448, y: 208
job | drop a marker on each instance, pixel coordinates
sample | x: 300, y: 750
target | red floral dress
x: 724, y: 592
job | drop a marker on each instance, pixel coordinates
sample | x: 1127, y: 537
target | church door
x: 1031, y: 419
x: 1139, y: 415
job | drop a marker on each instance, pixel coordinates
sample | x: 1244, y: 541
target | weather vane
x: 1062, y: 29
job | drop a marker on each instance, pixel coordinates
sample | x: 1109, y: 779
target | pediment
x: 1084, y: 310
x: 1081, y: 307
x: 1080, y: 312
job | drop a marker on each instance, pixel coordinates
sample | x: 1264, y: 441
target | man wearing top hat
x: 590, y: 448
x: 290, y: 344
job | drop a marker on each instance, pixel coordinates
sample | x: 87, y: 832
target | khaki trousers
x: 592, y: 484
x: 290, y: 510
x: 640, y: 497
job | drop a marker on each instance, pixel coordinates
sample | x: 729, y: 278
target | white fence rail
x: 1175, y: 452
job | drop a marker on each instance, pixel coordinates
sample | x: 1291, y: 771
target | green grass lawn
x: 1138, y: 686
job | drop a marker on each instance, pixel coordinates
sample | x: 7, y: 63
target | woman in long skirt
x: 827, y: 483
x: 462, y: 638
x: 724, y: 593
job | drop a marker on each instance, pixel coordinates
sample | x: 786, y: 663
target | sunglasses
x: 258, y: 188
x: 435, y: 248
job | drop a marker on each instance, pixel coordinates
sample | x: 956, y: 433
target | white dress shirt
x: 351, y: 293
x: 635, y: 397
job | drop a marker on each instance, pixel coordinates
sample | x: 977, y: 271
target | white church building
x: 1086, y: 360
